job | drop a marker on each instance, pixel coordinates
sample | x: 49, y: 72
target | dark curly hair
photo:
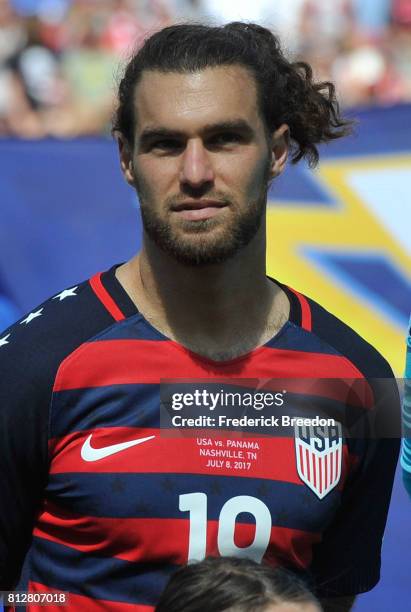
x: 229, y: 583
x: 286, y: 90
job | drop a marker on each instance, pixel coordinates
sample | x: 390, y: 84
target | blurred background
x: 59, y: 58
x: 341, y: 234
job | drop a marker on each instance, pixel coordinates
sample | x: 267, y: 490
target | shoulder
x: 368, y: 362
x: 32, y: 350
x: 345, y: 340
x: 42, y: 338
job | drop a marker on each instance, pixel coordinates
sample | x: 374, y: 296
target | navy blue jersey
x: 109, y: 507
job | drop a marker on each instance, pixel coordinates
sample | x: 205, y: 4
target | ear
x: 126, y: 158
x: 280, y: 146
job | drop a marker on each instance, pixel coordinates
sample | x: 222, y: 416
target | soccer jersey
x: 109, y: 505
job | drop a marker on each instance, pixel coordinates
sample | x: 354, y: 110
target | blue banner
x: 340, y: 234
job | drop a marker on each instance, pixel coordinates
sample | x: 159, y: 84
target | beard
x: 192, y: 243
x: 210, y: 241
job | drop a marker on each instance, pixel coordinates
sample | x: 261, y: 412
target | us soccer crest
x: 319, y: 456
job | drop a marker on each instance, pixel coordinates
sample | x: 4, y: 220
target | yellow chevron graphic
x: 350, y: 226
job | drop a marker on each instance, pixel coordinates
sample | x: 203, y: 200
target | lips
x: 198, y: 210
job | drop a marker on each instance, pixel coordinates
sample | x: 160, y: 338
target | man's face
x: 201, y: 162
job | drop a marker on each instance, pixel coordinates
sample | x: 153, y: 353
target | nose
x: 196, y: 167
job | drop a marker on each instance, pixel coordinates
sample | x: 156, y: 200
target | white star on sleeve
x: 4, y: 340
x: 31, y: 316
x: 66, y: 293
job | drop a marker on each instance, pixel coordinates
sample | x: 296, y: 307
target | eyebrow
x: 237, y: 125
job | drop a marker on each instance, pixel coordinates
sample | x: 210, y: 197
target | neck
x: 211, y: 305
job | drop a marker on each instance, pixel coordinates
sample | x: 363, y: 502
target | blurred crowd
x: 60, y: 60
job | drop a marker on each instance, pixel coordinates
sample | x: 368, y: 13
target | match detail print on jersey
x: 319, y: 457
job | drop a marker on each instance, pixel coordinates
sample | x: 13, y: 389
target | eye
x: 225, y: 138
x: 167, y: 144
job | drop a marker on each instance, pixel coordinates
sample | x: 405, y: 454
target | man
x: 109, y: 504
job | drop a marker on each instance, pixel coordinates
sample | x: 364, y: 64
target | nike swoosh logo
x: 88, y: 453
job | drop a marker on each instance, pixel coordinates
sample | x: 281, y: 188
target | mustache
x: 177, y: 200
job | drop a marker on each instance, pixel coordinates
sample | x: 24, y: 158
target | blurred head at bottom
x: 231, y: 584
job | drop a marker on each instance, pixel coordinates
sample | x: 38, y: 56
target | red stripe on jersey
x: 162, y: 540
x: 79, y: 602
x: 179, y: 455
x: 105, y: 298
x: 307, y: 459
x: 320, y: 473
x: 115, y: 362
x: 301, y: 461
x: 306, y: 322
x: 327, y: 471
